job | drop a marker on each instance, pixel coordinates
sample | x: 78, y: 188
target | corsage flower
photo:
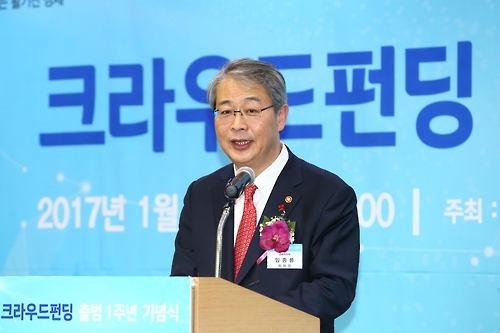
x: 277, y: 232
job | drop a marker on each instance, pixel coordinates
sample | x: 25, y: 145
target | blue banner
x: 104, y: 123
x: 95, y: 304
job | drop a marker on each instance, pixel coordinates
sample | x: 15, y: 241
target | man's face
x: 253, y: 143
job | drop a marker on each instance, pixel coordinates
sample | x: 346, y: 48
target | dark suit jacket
x: 324, y: 208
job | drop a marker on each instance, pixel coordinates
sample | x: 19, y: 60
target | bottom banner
x: 95, y: 304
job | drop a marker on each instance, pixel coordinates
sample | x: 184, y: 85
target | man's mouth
x: 241, y: 142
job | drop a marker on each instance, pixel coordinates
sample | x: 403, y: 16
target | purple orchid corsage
x: 277, y: 232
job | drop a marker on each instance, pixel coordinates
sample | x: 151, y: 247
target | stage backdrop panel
x: 104, y: 123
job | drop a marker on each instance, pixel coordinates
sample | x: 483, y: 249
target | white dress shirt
x: 265, y: 184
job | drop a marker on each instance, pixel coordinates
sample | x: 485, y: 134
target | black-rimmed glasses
x: 246, y: 113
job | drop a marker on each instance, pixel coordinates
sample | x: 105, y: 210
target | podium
x: 221, y: 306
x: 141, y: 304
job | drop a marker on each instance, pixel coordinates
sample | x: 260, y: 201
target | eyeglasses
x: 250, y: 114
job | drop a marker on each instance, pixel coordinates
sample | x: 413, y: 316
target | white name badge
x: 291, y: 259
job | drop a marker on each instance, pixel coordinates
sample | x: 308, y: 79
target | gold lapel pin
x: 288, y: 199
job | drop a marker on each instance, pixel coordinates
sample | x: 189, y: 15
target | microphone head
x: 250, y: 172
x: 235, y: 187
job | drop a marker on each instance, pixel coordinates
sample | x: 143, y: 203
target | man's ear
x: 282, y: 116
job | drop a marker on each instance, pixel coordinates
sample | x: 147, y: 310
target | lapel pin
x: 288, y: 199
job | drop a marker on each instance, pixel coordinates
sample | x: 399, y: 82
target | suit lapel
x: 284, y: 187
x: 220, y: 200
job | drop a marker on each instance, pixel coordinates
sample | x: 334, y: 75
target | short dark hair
x: 254, y: 71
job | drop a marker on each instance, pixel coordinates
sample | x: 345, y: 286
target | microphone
x: 244, y: 176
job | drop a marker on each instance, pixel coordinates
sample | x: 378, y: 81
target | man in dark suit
x: 250, y: 107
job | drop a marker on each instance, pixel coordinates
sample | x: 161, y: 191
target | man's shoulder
x: 218, y: 176
x: 315, y: 173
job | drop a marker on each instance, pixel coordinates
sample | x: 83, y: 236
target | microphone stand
x: 226, y: 210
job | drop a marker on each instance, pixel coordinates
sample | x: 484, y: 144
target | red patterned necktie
x: 246, y: 229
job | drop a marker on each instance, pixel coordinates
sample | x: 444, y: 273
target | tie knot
x: 249, y: 192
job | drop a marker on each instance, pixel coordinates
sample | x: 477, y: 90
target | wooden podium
x: 220, y: 306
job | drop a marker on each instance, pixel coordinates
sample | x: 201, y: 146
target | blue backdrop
x: 104, y: 123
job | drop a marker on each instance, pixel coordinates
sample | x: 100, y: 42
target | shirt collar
x: 266, y: 180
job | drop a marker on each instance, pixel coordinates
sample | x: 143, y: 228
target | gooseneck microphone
x: 244, y: 177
